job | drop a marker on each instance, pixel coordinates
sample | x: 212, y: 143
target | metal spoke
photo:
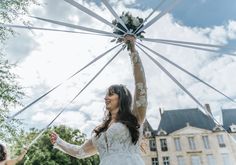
x: 105, y: 2
x: 161, y: 14
x: 185, y: 42
x: 197, y: 48
x: 49, y: 29
x: 91, y: 13
x: 187, y: 72
x: 75, y: 26
x: 154, y: 10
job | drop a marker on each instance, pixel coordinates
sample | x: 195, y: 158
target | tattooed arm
x: 140, y: 95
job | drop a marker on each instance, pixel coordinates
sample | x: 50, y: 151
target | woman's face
x: 111, y: 100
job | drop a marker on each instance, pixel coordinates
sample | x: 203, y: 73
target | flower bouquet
x: 133, y: 24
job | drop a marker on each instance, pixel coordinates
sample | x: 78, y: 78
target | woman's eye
x: 108, y: 94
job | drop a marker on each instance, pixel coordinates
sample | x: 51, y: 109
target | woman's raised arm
x: 140, y: 95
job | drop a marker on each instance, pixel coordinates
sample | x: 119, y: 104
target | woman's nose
x: 106, y: 97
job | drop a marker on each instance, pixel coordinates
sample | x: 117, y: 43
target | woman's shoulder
x: 10, y: 162
x: 3, y: 162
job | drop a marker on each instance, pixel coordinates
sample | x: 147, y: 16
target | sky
x: 45, y: 59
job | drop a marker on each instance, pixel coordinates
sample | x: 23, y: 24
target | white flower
x: 135, y: 21
x: 125, y: 19
x: 132, y: 18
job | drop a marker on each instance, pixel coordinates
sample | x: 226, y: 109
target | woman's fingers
x: 25, y: 148
x: 129, y: 38
x: 53, y: 137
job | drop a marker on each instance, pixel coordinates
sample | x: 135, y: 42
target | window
x: 180, y: 160
x: 195, y: 160
x: 226, y: 159
x: 155, y: 161
x: 152, y: 144
x: 220, y: 139
x: 177, y: 144
x: 163, y: 145
x: 210, y: 160
x: 206, y: 142
x: 166, y: 160
x: 191, y: 143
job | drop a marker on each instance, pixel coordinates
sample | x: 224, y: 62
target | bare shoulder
x: 11, y: 162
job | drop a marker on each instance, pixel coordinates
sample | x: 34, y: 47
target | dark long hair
x: 124, y: 115
x: 3, y: 154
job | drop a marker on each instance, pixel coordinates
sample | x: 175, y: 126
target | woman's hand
x: 24, y: 150
x: 53, y: 137
x: 130, y: 39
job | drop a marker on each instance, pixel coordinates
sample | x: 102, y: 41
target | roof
x: 173, y: 120
x: 229, y: 118
x: 147, y: 126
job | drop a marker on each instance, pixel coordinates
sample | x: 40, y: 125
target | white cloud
x: 123, y: 2
x: 42, y: 117
x: 232, y: 30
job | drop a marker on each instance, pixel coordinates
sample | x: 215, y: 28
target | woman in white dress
x: 117, y: 139
x: 4, y: 156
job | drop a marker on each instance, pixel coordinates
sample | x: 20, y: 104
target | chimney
x: 160, y: 110
x: 187, y: 124
x: 208, y: 108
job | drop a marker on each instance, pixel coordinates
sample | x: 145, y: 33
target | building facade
x: 189, y: 137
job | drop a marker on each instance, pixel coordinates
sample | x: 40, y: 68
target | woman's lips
x: 107, y: 102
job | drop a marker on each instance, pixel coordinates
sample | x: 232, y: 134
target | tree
x: 10, y: 91
x: 14, y: 6
x: 42, y: 152
x: 10, y: 95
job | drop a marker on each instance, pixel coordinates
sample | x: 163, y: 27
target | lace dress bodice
x: 115, y: 145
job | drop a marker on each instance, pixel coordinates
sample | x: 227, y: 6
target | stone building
x: 190, y: 137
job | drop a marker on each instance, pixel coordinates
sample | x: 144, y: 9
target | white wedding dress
x: 114, y: 147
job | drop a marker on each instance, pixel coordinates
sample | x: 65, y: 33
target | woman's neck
x: 114, y: 116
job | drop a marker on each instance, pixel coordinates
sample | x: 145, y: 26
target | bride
x: 117, y: 139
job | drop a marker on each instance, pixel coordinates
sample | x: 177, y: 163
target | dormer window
x: 218, y: 128
x: 147, y: 134
x: 161, y: 132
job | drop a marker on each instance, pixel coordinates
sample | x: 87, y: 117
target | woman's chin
x: 108, y: 108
